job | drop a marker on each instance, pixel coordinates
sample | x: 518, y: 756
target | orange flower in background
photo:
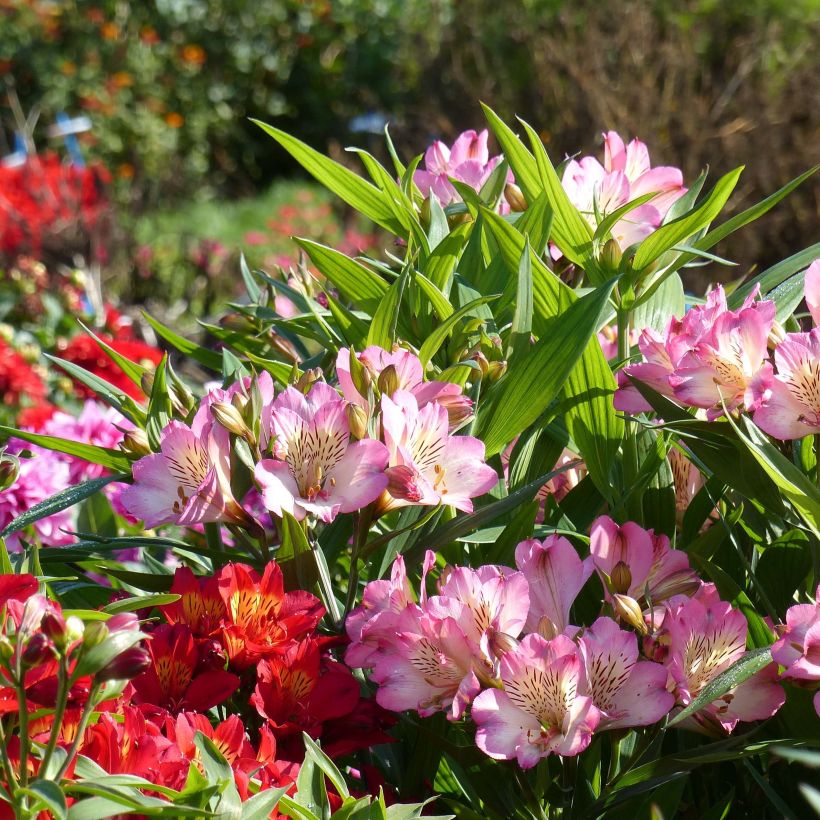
x: 193, y: 54
x: 174, y: 120
x: 149, y: 36
x: 95, y: 16
x: 110, y: 31
x: 68, y: 68
x: 122, y: 79
x: 125, y: 171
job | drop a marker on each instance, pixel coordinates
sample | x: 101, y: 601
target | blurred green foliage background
x: 170, y: 84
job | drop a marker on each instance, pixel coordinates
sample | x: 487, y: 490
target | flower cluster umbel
x: 502, y: 644
x: 385, y: 441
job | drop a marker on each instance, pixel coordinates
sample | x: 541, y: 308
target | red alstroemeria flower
x: 16, y: 588
x: 200, y: 606
x: 229, y: 736
x: 263, y: 619
x: 173, y: 681
x: 135, y: 745
x: 305, y: 691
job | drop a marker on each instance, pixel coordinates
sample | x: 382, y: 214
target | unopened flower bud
x: 147, y: 382
x: 284, y: 346
x: 9, y: 470
x: 127, y: 665
x: 75, y: 629
x: 621, y: 578
x: 54, y: 627
x: 424, y: 215
x: 231, y: 419
x: 135, y: 443
x: 682, y: 582
x: 483, y: 364
x: 610, y: 256
x: 240, y: 402
x: 359, y: 374
x: 514, y: 197
x: 95, y: 633
x: 38, y: 650
x: 776, y: 335
x: 546, y: 628
x: 388, y: 381
x: 454, y: 220
x: 495, y: 370
x: 357, y: 421
x: 308, y: 379
x: 628, y: 611
x: 501, y: 643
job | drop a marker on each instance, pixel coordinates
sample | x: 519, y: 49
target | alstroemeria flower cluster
x: 711, y: 358
x: 502, y: 645
x: 235, y: 639
x: 387, y: 440
x: 598, y: 190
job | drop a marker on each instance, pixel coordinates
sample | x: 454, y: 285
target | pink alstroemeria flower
x: 555, y: 575
x: 791, y: 405
x: 729, y: 365
x: 468, y: 161
x: 598, y: 190
x: 709, y: 356
x: 315, y: 468
x: 409, y: 376
x: 371, y: 625
x: 540, y: 710
x: 427, y: 465
x: 705, y: 638
x: 626, y: 691
x: 638, y: 563
x: 798, y: 648
x: 428, y: 665
x: 188, y: 481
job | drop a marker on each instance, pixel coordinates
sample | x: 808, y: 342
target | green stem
x: 630, y: 442
x: 8, y: 770
x: 213, y: 537
x: 59, y: 711
x: 362, y: 528
x: 78, y: 739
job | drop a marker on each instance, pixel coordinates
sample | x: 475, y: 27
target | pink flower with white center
x: 40, y: 476
x: 315, y: 468
x: 555, y: 575
x: 628, y: 692
x: 468, y: 161
x: 371, y: 625
x: 798, y: 648
x: 598, y: 190
x: 729, y: 365
x: 241, y: 389
x: 428, y: 466
x: 540, y: 710
x: 428, y: 665
x: 791, y: 405
x: 188, y: 481
x: 654, y: 371
x: 705, y: 638
x: 409, y: 376
x: 637, y: 563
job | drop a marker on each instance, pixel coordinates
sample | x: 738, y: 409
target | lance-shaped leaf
x: 104, y: 456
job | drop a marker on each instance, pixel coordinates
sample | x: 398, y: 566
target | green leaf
x: 260, y: 806
x: 783, y: 568
x: 521, y: 330
x: 682, y: 228
x: 441, y: 304
x: 521, y: 160
x: 132, y: 370
x: 795, y: 486
x: 60, y: 501
x: 105, y: 457
x: 383, y: 327
x: 740, y: 671
x: 770, y: 278
x: 217, y: 770
x: 332, y: 773
x: 251, y: 285
x: 609, y: 221
x: 207, y: 358
x: 140, y: 602
x: 437, y: 338
x: 48, y: 794
x: 159, y: 406
x: 295, y: 556
x: 666, y: 301
x: 570, y: 230
x: 357, y: 192
x: 515, y: 402
x: 357, y: 284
